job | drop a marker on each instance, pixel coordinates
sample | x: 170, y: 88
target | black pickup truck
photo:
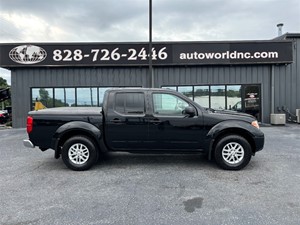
x: 144, y: 121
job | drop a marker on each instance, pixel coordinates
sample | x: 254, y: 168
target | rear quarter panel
x: 47, y: 122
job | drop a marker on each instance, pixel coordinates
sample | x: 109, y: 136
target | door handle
x: 155, y: 121
x: 116, y: 120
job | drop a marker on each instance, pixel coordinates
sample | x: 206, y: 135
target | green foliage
x: 202, y: 92
x: 48, y: 101
x: 232, y: 93
x: 3, y: 83
x: 188, y: 93
x: 45, y: 98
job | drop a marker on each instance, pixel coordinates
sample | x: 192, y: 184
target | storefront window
x: 87, y: 97
x: 70, y: 96
x: 34, y: 94
x: 43, y: 95
x: 234, y: 98
x: 64, y: 97
x: 241, y: 98
x: 60, y: 97
x: 101, y: 95
x: 201, y: 95
x: 217, y: 97
x: 187, y: 91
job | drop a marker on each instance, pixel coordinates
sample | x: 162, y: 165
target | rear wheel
x: 233, y: 152
x: 79, y: 153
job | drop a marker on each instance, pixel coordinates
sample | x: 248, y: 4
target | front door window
x: 167, y: 104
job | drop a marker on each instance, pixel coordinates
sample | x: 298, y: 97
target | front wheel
x: 233, y: 152
x: 79, y: 153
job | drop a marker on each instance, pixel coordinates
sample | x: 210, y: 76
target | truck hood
x: 229, y: 114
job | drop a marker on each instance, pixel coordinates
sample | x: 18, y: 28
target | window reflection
x: 217, y: 99
x: 234, y: 97
x: 87, y: 97
x: 43, y: 95
x: 101, y: 95
x: 201, y: 95
x: 70, y: 96
x: 64, y: 97
x: 34, y: 94
x: 187, y: 91
x: 60, y: 97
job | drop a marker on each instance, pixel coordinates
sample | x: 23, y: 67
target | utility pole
x: 151, y: 75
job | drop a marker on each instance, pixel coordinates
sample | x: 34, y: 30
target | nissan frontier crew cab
x: 144, y: 120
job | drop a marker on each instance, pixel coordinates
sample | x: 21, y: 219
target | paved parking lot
x: 151, y: 189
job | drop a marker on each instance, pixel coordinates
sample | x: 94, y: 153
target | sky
x: 31, y: 21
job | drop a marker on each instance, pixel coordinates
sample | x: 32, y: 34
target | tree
x: 3, y: 86
x: 3, y: 83
x: 45, y: 98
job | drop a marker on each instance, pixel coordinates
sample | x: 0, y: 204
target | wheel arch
x: 76, y: 128
x: 217, y: 133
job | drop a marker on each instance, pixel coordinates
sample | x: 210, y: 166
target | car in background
x: 4, y: 116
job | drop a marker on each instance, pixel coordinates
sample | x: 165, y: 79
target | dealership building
x: 256, y: 77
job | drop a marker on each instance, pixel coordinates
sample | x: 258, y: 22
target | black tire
x: 79, y: 153
x: 233, y: 152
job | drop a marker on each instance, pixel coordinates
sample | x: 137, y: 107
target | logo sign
x: 27, y: 54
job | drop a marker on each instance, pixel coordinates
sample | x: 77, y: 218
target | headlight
x: 255, y: 124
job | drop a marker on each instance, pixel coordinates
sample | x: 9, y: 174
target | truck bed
x: 88, y: 111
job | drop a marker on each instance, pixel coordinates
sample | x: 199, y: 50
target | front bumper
x: 259, y: 143
x: 28, y: 144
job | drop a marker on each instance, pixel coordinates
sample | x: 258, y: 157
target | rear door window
x: 130, y: 103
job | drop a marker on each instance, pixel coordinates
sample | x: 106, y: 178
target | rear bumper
x: 28, y: 144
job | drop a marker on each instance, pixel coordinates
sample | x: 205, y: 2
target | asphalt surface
x: 131, y: 189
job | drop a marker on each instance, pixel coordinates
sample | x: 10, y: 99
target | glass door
x: 251, y: 103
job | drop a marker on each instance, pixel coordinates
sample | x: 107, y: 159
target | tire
x: 79, y: 153
x: 233, y: 152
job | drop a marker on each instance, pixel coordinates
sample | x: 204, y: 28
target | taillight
x: 29, y: 124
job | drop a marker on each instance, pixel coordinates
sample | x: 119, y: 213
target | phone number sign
x: 87, y: 55
x: 138, y: 54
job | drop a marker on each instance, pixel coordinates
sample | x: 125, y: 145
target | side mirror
x: 190, y: 111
